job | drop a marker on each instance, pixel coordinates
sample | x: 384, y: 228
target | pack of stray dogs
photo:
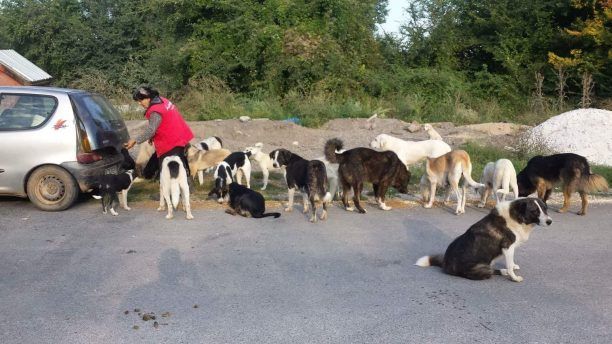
x: 342, y: 172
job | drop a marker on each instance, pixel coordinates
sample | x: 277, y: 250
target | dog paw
x: 161, y: 208
x: 481, y: 205
x: 427, y: 206
x: 362, y: 211
x: 289, y: 209
x: 169, y: 217
x: 517, y: 279
x: 503, y: 272
x: 349, y: 209
x: 313, y: 219
x: 263, y: 188
x: 323, y: 216
x: 385, y: 207
x: 562, y: 210
x: 581, y: 213
x: 127, y: 208
x: 516, y: 267
x: 305, y: 210
x: 189, y: 217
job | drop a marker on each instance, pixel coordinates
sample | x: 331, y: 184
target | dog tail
x: 175, y: 190
x: 593, y: 183
x: 426, y: 261
x: 318, y: 176
x: 331, y: 147
x: 467, y: 173
x: 276, y: 215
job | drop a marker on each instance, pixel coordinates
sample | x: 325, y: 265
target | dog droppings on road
x: 136, y: 310
x: 195, y: 306
x: 156, y: 324
x: 131, y: 251
x: 135, y: 327
x: 126, y: 312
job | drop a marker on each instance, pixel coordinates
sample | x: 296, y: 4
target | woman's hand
x: 131, y: 143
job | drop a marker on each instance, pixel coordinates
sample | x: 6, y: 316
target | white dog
x: 410, y: 152
x: 498, y: 176
x: 173, y: 184
x: 433, y: 134
x: 264, y: 161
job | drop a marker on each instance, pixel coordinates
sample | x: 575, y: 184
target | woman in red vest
x: 167, y: 129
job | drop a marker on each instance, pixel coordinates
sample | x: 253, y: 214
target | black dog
x: 107, y: 186
x: 359, y: 165
x: 245, y: 201
x: 233, y: 166
x: 507, y: 226
x: 571, y: 170
x: 309, y: 176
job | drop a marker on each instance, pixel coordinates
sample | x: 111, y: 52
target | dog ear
x: 259, y: 145
x: 518, y: 210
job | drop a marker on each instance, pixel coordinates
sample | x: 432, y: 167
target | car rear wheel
x: 51, y: 188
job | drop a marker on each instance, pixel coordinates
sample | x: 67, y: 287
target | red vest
x: 173, y: 131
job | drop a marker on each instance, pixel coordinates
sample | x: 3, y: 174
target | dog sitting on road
x: 359, y: 165
x: 233, y: 166
x: 200, y: 160
x: 507, y: 226
x: 173, y: 184
x: 245, y: 202
x: 542, y: 173
x: 108, y: 186
x: 308, y: 176
x: 410, y: 152
x: 497, y: 178
x: 448, y: 169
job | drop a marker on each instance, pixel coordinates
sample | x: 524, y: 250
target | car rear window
x: 103, y: 124
x: 25, y: 111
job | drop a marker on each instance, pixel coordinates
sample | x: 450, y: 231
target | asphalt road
x: 69, y: 277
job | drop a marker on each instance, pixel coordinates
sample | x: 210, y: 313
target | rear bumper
x: 85, y: 174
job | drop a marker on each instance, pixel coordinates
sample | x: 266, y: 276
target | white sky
x: 394, y: 17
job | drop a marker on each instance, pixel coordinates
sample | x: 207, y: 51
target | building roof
x: 22, y: 67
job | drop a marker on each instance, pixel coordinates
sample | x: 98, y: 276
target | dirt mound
x: 355, y: 132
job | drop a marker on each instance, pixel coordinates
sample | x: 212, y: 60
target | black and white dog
x: 213, y: 142
x: 232, y: 167
x: 507, y: 226
x: 108, y: 186
x: 309, y: 176
x: 245, y: 201
x: 172, y: 184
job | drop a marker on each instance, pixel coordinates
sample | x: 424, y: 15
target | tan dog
x: 433, y: 134
x: 448, y: 169
x: 200, y: 160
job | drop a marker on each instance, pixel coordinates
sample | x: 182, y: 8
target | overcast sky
x: 395, y: 15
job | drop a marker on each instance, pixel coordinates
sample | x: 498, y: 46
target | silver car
x: 53, y: 141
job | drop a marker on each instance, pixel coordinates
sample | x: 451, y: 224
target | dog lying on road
x: 245, y: 202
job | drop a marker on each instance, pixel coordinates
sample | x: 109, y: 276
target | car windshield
x: 104, y: 125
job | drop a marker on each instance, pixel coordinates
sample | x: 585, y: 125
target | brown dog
x: 542, y: 173
x: 200, y: 160
x: 448, y: 169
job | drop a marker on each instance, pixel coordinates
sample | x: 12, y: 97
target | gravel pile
x: 587, y: 132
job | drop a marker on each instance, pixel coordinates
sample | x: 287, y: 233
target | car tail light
x: 88, y: 158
